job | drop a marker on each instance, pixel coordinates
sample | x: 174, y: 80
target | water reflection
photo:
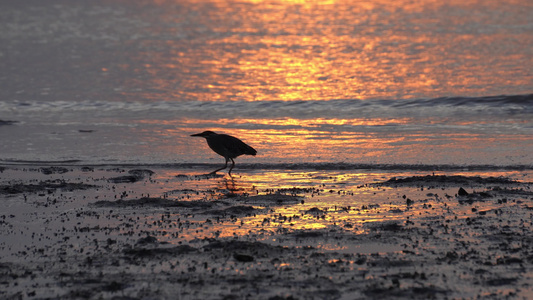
x: 262, y: 50
x: 340, y: 201
x: 303, y: 50
x: 356, y: 140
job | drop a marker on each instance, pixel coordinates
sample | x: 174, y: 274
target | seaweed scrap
x: 48, y: 185
x: 439, y: 180
x: 153, y: 202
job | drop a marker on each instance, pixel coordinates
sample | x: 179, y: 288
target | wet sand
x: 108, y: 232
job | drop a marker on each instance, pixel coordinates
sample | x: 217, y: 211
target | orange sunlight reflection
x: 323, y: 50
x: 326, y: 139
x: 340, y: 200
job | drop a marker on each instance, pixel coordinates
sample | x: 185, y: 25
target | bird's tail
x: 250, y: 151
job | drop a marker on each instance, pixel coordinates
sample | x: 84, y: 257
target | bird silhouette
x: 227, y: 146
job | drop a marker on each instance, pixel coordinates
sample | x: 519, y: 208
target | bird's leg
x: 225, y: 166
x: 232, y: 165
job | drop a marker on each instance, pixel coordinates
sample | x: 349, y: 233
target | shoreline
x: 123, y: 232
x: 247, y: 167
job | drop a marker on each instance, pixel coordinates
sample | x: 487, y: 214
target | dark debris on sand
x: 240, y: 206
x: 154, y: 248
x: 53, y: 170
x: 424, y: 292
x: 234, y: 211
x: 134, y: 176
x: 48, y: 185
x: 258, y: 248
x: 3, y: 122
x: 442, y: 180
x: 140, y: 252
x: 271, y: 199
x: 384, y: 226
x: 153, y: 202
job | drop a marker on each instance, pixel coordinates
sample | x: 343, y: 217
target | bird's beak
x: 197, y: 134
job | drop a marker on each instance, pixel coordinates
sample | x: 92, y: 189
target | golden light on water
x: 326, y: 50
x: 324, y: 200
x: 351, y: 140
x: 323, y: 50
x: 345, y: 200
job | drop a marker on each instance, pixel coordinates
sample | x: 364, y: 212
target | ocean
x: 394, y: 147
x: 309, y: 84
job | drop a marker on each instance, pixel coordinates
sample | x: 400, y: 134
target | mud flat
x: 95, y: 232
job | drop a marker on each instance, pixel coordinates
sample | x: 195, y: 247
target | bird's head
x: 204, y: 134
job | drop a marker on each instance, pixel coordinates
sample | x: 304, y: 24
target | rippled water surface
x: 383, y: 82
x: 265, y: 50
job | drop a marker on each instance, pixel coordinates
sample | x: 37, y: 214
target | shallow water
x: 459, y: 131
x: 305, y: 83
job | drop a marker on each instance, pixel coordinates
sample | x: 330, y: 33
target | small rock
x: 147, y: 240
x: 124, y: 179
x: 462, y: 192
x: 136, y: 175
x: 2, y: 122
x: 243, y: 257
x: 53, y: 170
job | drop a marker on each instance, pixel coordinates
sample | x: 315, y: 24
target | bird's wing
x: 234, y: 146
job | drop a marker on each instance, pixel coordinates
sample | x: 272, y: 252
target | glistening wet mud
x: 78, y: 234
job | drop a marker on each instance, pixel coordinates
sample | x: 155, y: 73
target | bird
x: 227, y: 146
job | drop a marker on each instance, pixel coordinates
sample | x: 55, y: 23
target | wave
x: 519, y: 101
x: 504, y: 104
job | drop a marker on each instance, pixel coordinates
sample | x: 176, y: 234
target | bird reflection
x: 227, y: 146
x: 231, y: 186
